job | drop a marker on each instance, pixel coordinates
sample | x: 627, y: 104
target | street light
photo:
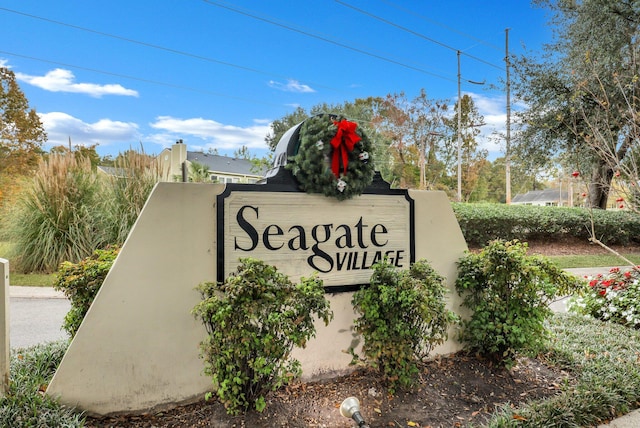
x: 460, y: 130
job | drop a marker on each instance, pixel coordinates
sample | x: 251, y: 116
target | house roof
x: 546, y: 195
x: 224, y: 164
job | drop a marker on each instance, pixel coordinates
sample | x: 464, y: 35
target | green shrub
x: 482, y: 223
x: 24, y: 405
x: 613, y: 297
x: 508, y: 293
x: 253, y: 320
x: 402, y: 317
x: 80, y: 282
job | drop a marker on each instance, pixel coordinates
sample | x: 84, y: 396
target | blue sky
x: 213, y: 73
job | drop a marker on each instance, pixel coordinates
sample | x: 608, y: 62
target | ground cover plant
x: 25, y: 406
x: 604, y: 360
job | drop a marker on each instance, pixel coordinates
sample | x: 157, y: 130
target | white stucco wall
x: 138, y: 347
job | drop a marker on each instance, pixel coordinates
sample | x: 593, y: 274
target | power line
x: 415, y: 33
x: 446, y: 27
x: 139, y: 79
x: 158, y: 47
x: 325, y: 39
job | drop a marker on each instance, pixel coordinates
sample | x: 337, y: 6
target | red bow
x: 342, y: 143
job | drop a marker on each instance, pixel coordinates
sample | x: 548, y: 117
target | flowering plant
x: 612, y: 297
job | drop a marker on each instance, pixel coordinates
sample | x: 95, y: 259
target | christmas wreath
x: 333, y: 157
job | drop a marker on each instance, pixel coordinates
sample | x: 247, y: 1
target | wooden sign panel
x: 301, y: 234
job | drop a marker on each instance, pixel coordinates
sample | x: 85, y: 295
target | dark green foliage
x: 402, y: 317
x: 253, y: 320
x: 25, y: 406
x: 508, y: 293
x: 603, y: 358
x: 312, y: 164
x: 80, y: 282
x: 481, y: 223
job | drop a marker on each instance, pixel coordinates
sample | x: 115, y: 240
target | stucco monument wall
x: 138, y: 346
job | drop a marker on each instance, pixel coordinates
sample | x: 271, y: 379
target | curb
x: 23, y: 292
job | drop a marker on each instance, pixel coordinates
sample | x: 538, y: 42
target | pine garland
x: 312, y: 165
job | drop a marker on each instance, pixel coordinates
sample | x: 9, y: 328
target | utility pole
x: 507, y: 151
x: 459, y: 135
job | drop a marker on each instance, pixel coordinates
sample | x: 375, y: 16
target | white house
x: 222, y: 169
x: 546, y: 197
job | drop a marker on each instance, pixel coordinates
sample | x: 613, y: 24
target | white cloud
x: 291, y: 86
x: 60, y: 80
x: 62, y: 126
x: 4, y: 63
x: 493, y: 110
x: 212, y: 134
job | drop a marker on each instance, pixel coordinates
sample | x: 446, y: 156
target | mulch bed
x: 452, y: 391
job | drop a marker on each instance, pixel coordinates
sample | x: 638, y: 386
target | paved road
x: 36, y: 315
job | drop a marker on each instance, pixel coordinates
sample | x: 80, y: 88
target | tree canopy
x: 21, y: 131
x: 21, y: 134
x: 579, y: 93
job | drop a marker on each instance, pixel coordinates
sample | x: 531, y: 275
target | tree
x: 574, y: 94
x: 472, y: 158
x: 414, y: 129
x: 198, y: 172
x: 21, y: 133
x: 242, y: 153
x: 79, y: 152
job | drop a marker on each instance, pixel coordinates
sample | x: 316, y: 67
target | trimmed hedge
x: 482, y: 223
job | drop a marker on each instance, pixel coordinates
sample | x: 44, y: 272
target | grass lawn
x: 582, y: 261
x: 564, y: 262
x: 32, y: 279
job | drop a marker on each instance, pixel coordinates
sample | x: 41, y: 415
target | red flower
x: 584, y: 195
x: 575, y: 174
x: 620, y: 200
x: 603, y: 292
x: 606, y: 283
x: 621, y: 206
x: 627, y: 274
x: 614, y: 270
x: 593, y: 283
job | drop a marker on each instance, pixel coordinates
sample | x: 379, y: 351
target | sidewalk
x: 35, y: 292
